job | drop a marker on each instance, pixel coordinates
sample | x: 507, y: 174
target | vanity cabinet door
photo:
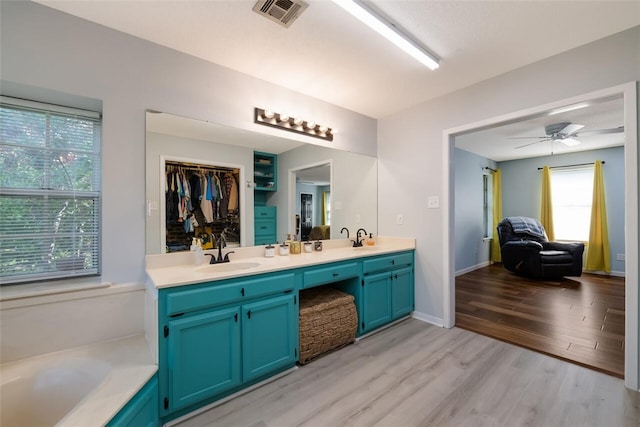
x: 269, y: 336
x: 402, y: 299
x: 203, y: 356
x: 141, y: 410
x: 376, y: 301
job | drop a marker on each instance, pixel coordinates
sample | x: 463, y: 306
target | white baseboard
x: 436, y: 321
x: 602, y: 273
x: 472, y: 268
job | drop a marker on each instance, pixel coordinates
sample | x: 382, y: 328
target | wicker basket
x: 328, y: 320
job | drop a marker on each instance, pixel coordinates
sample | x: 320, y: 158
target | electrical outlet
x: 400, y: 219
x: 620, y: 257
x: 357, y: 218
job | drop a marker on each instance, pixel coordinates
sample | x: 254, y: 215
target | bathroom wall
x: 411, y: 150
x: 415, y: 160
x: 44, y: 324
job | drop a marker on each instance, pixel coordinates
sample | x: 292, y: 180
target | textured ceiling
x: 331, y: 56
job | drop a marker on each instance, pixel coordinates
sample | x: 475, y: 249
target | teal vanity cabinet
x: 387, y: 290
x: 218, y: 337
x: 141, y: 410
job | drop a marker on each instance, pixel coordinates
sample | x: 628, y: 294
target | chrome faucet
x: 222, y: 241
x: 358, y: 241
x: 345, y: 229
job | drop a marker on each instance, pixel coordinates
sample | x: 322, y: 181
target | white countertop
x: 167, y: 270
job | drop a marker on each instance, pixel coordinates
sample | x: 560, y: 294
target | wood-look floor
x: 416, y: 374
x: 579, y: 319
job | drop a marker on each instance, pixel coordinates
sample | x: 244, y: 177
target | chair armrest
x: 523, y: 245
x: 563, y: 246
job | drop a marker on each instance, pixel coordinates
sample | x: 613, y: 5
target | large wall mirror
x: 318, y: 188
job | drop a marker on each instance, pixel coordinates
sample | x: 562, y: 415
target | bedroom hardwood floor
x: 416, y: 374
x: 578, y: 319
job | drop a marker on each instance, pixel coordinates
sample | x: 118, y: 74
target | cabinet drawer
x: 220, y: 294
x: 270, y: 285
x: 331, y: 274
x: 387, y: 262
x: 264, y: 212
x: 203, y: 297
x: 264, y: 227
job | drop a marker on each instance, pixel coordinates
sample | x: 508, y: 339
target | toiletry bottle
x: 269, y: 251
x: 199, y: 252
x: 308, y: 247
x: 283, y: 249
x: 295, y: 245
x: 370, y: 241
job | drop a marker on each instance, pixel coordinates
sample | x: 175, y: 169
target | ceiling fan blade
x: 570, y: 129
x: 527, y: 137
x: 570, y: 142
x: 602, y: 131
x: 531, y: 143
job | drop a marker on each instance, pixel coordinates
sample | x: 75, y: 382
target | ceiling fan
x: 566, y: 133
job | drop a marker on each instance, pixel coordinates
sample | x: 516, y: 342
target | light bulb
x: 268, y: 114
x: 310, y: 125
x: 283, y: 117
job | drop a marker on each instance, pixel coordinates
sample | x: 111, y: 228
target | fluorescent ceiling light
x: 389, y: 31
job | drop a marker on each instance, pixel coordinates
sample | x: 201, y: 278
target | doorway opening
x: 628, y: 92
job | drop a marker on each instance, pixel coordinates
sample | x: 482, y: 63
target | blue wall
x: 471, y: 250
x: 521, y: 187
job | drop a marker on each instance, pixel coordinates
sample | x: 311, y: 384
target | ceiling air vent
x: 284, y: 12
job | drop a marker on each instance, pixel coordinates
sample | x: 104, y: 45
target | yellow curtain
x: 497, y: 215
x: 325, y: 194
x: 598, y: 256
x: 546, y: 210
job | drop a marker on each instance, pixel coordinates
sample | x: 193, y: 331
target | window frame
x: 555, y: 171
x: 86, y: 213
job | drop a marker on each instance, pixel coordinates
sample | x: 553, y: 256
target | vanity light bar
x: 293, y: 124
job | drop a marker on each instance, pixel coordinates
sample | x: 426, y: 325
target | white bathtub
x: 84, y: 386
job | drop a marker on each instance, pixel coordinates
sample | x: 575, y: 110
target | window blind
x: 572, y: 192
x: 49, y: 191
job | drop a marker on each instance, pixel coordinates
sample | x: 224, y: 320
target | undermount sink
x: 367, y: 248
x: 227, y: 266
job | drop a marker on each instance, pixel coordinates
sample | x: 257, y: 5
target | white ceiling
x: 329, y: 55
x: 500, y: 143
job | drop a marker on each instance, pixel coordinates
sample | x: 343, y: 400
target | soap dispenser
x: 371, y: 241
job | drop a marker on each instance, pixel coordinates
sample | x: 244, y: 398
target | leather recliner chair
x: 526, y: 250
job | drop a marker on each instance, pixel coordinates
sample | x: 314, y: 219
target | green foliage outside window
x: 49, y: 194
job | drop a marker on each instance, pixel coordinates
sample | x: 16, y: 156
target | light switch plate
x: 433, y: 202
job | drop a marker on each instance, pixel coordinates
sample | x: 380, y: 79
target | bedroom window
x: 487, y: 206
x: 572, y: 192
x: 49, y: 191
